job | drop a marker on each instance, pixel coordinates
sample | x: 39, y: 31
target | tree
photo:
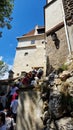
x: 3, y: 68
x: 6, y: 7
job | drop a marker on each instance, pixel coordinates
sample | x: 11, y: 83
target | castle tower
x: 58, y: 32
x: 30, y: 52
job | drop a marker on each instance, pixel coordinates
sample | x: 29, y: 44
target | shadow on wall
x: 49, y: 68
x: 29, y: 111
x: 56, y: 40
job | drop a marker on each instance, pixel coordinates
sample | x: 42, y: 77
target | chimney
x: 36, y: 32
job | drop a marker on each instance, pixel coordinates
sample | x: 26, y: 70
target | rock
x: 63, y: 76
x: 56, y: 106
x: 54, y: 89
x: 64, y: 88
x: 50, y: 125
x: 70, y: 81
x: 58, y: 113
x: 44, y: 96
x: 59, y: 87
x: 70, y: 89
x: 65, y: 123
x: 45, y: 106
x: 70, y: 103
x: 45, y: 117
x: 51, y: 77
x: 57, y: 81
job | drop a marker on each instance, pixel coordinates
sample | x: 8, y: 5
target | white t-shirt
x: 14, y: 105
x: 36, y: 78
x: 34, y: 83
x: 9, y: 120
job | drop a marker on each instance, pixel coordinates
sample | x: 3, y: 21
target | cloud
x: 1, y: 58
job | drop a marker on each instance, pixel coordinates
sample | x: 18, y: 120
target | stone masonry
x: 68, y: 7
x: 56, y: 56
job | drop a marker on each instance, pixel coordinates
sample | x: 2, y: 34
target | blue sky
x: 26, y: 15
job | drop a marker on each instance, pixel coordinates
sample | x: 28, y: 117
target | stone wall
x: 51, y: 106
x: 57, y: 56
x: 68, y: 8
x: 29, y: 111
x: 57, y: 96
x: 53, y: 14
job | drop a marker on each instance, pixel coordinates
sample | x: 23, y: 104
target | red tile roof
x: 33, y: 31
x: 30, y: 33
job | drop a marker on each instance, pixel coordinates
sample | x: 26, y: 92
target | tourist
x: 3, y: 99
x: 13, y: 89
x: 15, y: 94
x: 2, y: 118
x: 13, y: 106
x: 9, y: 121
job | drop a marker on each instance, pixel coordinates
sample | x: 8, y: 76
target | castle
x: 48, y: 46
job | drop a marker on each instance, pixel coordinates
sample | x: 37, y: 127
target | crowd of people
x: 9, y: 100
x: 8, y: 108
x: 32, y: 78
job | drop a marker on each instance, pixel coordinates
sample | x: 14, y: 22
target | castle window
x: 26, y: 53
x: 23, y: 73
x: 17, y: 74
x: 26, y: 64
x: 32, y: 41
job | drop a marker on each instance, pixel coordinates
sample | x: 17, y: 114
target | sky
x: 26, y: 15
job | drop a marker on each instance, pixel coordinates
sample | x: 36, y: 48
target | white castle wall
x: 53, y: 14
x: 36, y: 56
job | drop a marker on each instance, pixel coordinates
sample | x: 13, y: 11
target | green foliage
x: 3, y: 68
x: 1, y: 62
x: 63, y: 68
x: 6, y: 7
